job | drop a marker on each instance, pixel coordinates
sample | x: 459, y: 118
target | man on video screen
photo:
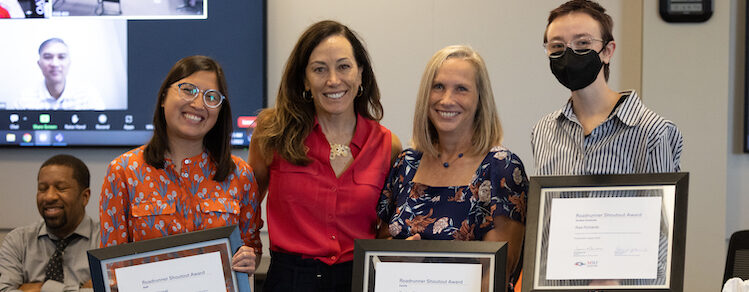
x: 56, y: 92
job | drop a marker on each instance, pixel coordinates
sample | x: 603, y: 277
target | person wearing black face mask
x: 599, y: 130
x: 575, y: 68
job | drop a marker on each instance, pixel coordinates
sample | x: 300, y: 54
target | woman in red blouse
x: 323, y: 157
x: 185, y: 178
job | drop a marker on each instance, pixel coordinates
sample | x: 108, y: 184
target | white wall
x: 688, y: 77
x: 683, y: 74
x: 737, y: 186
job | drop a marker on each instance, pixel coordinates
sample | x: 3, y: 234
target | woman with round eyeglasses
x: 185, y: 179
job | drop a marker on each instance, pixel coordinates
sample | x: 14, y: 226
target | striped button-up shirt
x: 633, y: 139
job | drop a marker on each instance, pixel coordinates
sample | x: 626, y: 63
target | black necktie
x: 54, y: 266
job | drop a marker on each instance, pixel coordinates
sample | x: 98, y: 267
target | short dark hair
x: 80, y: 170
x: 50, y: 41
x: 217, y: 141
x: 596, y: 11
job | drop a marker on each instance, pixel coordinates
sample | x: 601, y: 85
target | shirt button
x: 332, y: 237
x: 333, y: 189
x: 333, y: 258
x: 185, y: 175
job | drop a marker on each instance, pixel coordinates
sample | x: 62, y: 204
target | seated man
x: 50, y: 255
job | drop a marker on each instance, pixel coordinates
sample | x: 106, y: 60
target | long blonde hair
x: 487, y: 131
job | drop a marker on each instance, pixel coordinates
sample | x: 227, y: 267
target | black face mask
x: 576, y: 71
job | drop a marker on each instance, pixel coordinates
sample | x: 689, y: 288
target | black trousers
x: 293, y: 273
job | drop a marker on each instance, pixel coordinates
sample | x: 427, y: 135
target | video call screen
x: 95, y: 80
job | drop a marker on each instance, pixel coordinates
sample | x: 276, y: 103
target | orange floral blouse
x: 141, y: 202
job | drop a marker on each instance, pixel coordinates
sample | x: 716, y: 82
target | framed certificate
x: 195, y: 261
x: 428, y: 265
x: 601, y: 232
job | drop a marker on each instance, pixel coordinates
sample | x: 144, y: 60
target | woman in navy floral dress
x: 457, y: 182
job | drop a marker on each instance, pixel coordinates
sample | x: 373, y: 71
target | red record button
x: 246, y: 122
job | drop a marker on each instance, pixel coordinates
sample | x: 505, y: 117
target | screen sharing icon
x: 44, y: 118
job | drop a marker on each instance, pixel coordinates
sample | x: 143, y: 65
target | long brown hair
x: 285, y: 127
x: 216, y: 141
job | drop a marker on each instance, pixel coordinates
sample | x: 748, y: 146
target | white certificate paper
x: 194, y: 273
x: 427, y: 277
x: 603, y: 238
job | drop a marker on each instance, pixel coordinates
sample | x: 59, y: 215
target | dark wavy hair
x: 596, y: 11
x: 285, y: 127
x: 216, y: 141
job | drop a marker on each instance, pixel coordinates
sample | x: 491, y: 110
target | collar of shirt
x: 48, y: 98
x: 628, y: 112
x: 83, y: 229
x: 360, y: 133
x: 190, y: 160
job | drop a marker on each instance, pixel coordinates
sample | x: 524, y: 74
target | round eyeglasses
x: 211, y: 98
x: 580, y: 46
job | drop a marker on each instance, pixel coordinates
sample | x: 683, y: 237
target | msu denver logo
x: 591, y: 263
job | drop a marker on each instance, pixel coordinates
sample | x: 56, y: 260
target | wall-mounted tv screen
x: 87, y: 73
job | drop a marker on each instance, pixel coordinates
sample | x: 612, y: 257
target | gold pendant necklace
x: 339, y: 150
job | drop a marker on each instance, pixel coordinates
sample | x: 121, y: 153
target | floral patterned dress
x: 498, y: 188
x: 139, y: 201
